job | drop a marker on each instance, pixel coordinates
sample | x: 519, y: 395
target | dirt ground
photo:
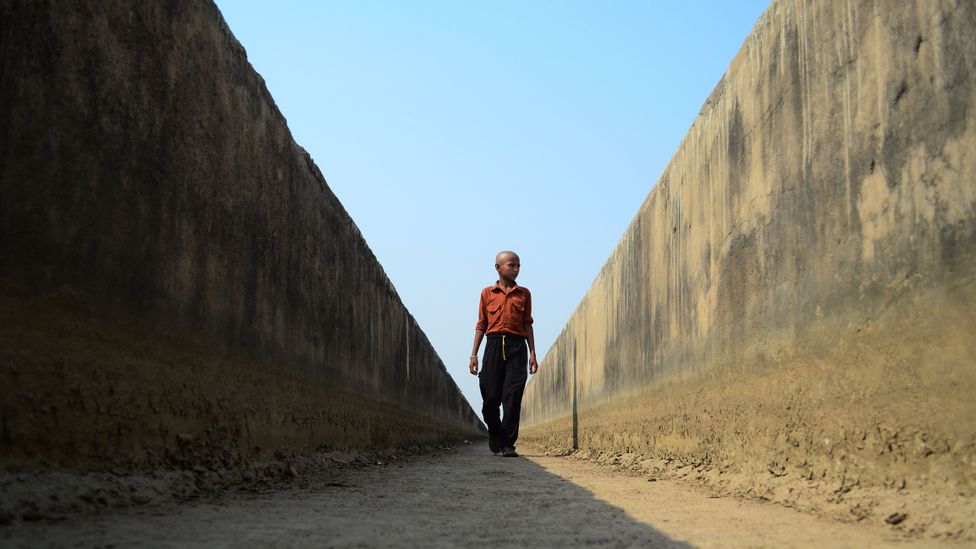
x: 451, y: 497
x: 881, y: 426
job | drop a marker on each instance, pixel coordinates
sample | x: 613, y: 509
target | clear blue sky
x: 453, y: 130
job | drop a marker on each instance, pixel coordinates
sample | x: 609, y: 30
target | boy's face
x: 508, y: 266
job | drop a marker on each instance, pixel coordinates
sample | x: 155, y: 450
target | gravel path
x: 449, y: 499
x: 454, y: 498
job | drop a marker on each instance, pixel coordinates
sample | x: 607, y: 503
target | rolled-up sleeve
x: 482, y: 314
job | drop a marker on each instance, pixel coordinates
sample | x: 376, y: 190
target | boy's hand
x: 533, y: 365
x: 473, y: 365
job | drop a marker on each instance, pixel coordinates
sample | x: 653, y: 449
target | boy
x: 505, y: 315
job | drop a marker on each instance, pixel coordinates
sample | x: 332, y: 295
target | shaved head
x: 503, y: 255
x: 507, y: 264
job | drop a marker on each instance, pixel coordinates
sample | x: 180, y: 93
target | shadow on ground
x: 452, y: 498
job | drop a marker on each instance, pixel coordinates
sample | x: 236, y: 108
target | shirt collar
x: 498, y: 287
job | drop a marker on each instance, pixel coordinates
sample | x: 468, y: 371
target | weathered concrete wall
x: 173, y: 263
x: 797, y: 293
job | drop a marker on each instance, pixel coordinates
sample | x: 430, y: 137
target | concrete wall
x: 796, y: 295
x: 173, y: 263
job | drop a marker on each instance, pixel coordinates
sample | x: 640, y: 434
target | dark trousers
x: 502, y: 381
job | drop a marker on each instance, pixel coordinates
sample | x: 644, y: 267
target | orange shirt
x: 505, y: 312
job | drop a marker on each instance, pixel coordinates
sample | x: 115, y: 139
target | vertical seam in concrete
x: 407, y: 328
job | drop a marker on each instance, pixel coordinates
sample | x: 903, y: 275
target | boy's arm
x: 533, y: 364
x: 479, y: 334
x: 473, y: 363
